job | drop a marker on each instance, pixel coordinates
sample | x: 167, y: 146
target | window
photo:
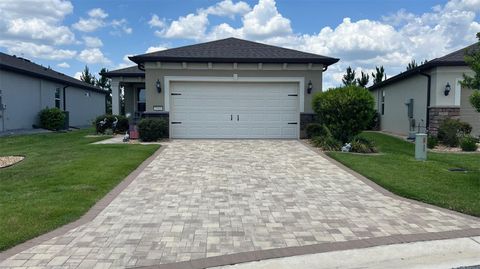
x: 57, y: 98
x: 141, y: 99
x: 383, y: 102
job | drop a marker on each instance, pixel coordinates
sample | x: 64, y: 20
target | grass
x: 61, y: 177
x: 427, y: 181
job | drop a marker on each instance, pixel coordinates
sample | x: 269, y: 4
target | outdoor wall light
x: 159, y: 86
x: 309, y: 87
x: 447, y: 89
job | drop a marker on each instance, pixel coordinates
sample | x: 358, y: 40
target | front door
x: 141, y: 101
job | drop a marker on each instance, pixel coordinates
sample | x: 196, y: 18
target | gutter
x: 429, y: 85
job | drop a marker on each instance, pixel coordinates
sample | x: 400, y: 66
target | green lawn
x: 426, y: 181
x: 61, y: 177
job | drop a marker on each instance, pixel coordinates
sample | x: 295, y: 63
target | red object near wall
x: 133, y: 132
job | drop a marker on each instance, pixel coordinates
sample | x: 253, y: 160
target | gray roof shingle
x: 24, y: 66
x: 233, y: 50
x: 132, y: 71
x: 456, y: 58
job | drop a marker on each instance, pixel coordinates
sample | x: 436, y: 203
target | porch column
x: 115, y: 84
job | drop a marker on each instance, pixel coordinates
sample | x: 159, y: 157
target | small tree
x: 104, y: 83
x: 472, y: 58
x: 379, y: 75
x: 345, y: 111
x: 87, y: 77
x: 363, y: 80
x: 411, y: 65
x: 349, y: 77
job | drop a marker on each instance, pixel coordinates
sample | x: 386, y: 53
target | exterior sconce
x: 447, y: 89
x: 158, y: 86
x: 309, y: 87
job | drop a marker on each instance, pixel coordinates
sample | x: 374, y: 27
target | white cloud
x: 96, y: 19
x: 265, y: 21
x: 157, y: 48
x: 192, y: 25
x: 29, y: 49
x: 77, y: 75
x: 63, y: 65
x: 35, y: 21
x: 92, y: 42
x: 93, y: 56
x: 155, y: 21
x: 121, y: 26
x: 125, y: 62
x: 97, y: 13
x: 227, y: 8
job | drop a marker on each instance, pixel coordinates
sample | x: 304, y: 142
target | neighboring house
x: 26, y: 88
x: 426, y: 95
x: 229, y: 88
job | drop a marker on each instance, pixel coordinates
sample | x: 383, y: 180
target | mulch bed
x: 6, y: 161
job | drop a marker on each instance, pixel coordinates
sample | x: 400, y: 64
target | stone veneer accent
x: 438, y: 114
x: 305, y: 119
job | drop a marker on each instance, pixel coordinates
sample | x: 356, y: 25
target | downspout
x: 429, y: 85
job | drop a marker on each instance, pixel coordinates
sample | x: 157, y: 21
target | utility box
x: 421, y: 147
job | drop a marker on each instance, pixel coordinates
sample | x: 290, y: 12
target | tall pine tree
x: 379, y: 75
x: 104, y: 83
x: 472, y: 58
x: 363, y: 80
x: 87, y: 77
x: 349, y: 77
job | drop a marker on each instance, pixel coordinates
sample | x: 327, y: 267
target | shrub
x: 152, y: 129
x: 121, y: 127
x: 346, y: 111
x: 316, y: 129
x: 52, y: 119
x: 326, y: 141
x: 451, y: 130
x: 375, y: 122
x: 432, y: 142
x: 475, y: 100
x: 468, y: 143
x: 362, y: 144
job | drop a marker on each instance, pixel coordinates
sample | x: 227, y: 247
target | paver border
x: 258, y: 255
x: 88, y: 216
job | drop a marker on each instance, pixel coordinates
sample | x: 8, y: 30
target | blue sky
x: 67, y: 35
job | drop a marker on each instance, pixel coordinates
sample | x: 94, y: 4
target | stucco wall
x: 440, y: 77
x: 25, y: 96
x: 395, y: 119
x: 155, y: 98
x: 468, y: 113
x: 84, y: 106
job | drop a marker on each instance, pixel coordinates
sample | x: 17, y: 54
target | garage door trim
x: 300, y: 80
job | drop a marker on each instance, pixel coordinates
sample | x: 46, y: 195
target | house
x: 26, y: 88
x: 229, y: 88
x: 421, y: 98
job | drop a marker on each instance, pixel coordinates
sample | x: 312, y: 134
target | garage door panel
x: 210, y: 109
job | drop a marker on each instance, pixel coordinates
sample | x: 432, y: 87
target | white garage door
x: 234, y: 110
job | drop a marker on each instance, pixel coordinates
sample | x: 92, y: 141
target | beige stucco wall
x: 154, y: 73
x: 440, y: 77
x: 468, y: 113
x: 395, y: 119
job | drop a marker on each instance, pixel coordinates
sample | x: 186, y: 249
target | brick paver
x: 204, y: 198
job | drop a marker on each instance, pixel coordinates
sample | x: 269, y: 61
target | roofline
x: 112, y: 74
x: 415, y: 71
x: 141, y: 59
x: 68, y: 83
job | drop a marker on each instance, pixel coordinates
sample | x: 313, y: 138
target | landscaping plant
x: 468, y: 143
x: 316, y: 129
x: 432, y: 142
x: 345, y: 111
x: 451, y: 130
x: 104, y: 122
x: 152, y: 129
x: 362, y: 144
x: 52, y: 119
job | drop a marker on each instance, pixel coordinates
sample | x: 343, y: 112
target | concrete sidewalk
x: 438, y: 254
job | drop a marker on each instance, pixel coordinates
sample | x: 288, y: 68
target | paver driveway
x: 207, y: 197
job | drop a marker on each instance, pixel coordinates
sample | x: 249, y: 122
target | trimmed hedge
x: 152, y: 129
x: 345, y: 111
x: 468, y: 143
x: 121, y: 127
x: 52, y: 119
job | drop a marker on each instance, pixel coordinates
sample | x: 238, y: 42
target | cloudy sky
x: 67, y: 35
